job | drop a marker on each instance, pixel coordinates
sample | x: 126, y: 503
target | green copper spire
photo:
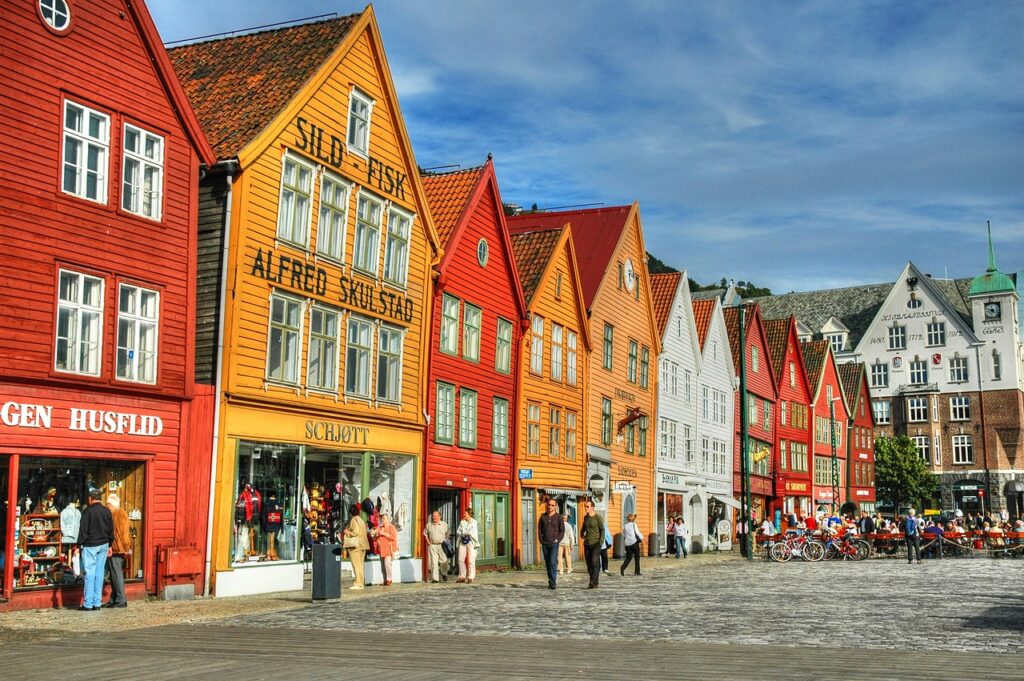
x: 991, y: 251
x: 993, y: 281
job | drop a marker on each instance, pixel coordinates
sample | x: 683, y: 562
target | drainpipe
x: 230, y: 168
x: 984, y: 440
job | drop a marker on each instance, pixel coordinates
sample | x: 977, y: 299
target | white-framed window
x: 754, y: 361
x: 705, y: 403
x: 483, y: 253
x: 499, y: 426
x: 142, y: 183
x: 963, y: 449
x: 918, y: 371
x: 444, y: 418
x: 503, y: 347
x: 138, y: 320
x: 997, y: 366
x: 389, y: 363
x: 322, y: 360
x: 798, y: 456
x: 294, y: 208
x: 792, y: 374
x: 556, y: 352
x: 673, y: 378
x: 358, y: 349
x: 360, y: 110
x: 897, y: 337
x: 836, y: 340
x: 86, y: 148
x: 56, y: 14
x: 366, y: 246
x: 883, y: 411
x: 396, y: 247
x: 960, y: 408
x: 533, y: 429
x: 284, y: 344
x: 668, y: 439
x: 782, y: 412
x: 467, y: 417
x: 687, y: 386
x: 555, y: 433
x: 570, y: 357
x: 767, y: 415
x: 720, y: 401
x: 880, y: 375
x: 333, y: 221
x: 450, y: 324
x: 571, y: 436
x: 917, y: 409
x: 705, y: 454
x: 687, y: 445
x: 537, y: 345
x: 79, y: 323
x: 471, y: 321
x: 664, y: 375
x: 936, y: 333
x: 958, y: 372
x: 923, y: 444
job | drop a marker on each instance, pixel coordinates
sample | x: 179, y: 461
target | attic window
x: 56, y: 15
x: 914, y: 302
x: 558, y: 286
x: 837, y: 340
x: 482, y: 252
x: 359, y: 108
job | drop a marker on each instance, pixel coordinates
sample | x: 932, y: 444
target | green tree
x: 901, y: 475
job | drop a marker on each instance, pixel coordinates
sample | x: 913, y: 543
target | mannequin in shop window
x: 70, y: 521
x: 272, y: 519
x: 247, y: 516
x: 47, y: 504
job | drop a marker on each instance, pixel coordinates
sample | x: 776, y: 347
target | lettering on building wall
x: 17, y: 415
x: 328, y: 431
x: 291, y: 272
x: 366, y: 296
x: 919, y: 314
x: 623, y: 395
x: 311, y: 139
x: 627, y: 471
x: 669, y: 479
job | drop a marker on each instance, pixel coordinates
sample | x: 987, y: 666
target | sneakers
x: 444, y: 578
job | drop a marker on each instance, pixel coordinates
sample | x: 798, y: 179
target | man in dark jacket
x: 95, y: 535
x: 865, y: 525
x: 550, y: 530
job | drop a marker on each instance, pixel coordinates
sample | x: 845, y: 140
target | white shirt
x: 631, y: 533
x: 681, y: 530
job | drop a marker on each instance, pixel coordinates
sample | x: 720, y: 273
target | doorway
x: 4, y: 537
x: 491, y: 512
x: 529, y: 553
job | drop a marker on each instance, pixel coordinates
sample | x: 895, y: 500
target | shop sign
x: 526, y: 474
x: 627, y: 471
x: 18, y: 415
x: 669, y: 479
x: 863, y: 493
x: 622, y: 486
x: 796, y: 486
x: 328, y: 431
x: 623, y: 395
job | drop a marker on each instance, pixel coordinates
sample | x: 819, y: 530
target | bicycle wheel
x: 863, y: 550
x: 813, y: 551
x: 831, y: 552
x: 781, y: 553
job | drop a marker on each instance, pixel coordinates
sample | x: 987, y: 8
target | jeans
x: 115, y: 568
x: 550, y: 552
x: 681, y: 546
x: 593, y: 555
x: 632, y: 554
x: 913, y: 546
x: 94, y: 560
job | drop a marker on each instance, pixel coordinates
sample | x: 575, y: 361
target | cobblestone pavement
x: 955, y: 605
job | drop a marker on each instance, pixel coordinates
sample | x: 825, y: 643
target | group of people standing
x: 105, y: 543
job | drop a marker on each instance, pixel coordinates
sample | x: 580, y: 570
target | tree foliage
x: 656, y: 265
x: 901, y: 475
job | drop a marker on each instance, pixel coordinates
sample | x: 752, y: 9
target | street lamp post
x: 835, y: 456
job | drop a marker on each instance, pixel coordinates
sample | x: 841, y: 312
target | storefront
x: 670, y: 504
x: 969, y: 496
x: 797, y: 500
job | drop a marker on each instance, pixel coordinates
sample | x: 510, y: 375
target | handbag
x: 350, y: 542
x: 446, y: 546
x: 465, y: 539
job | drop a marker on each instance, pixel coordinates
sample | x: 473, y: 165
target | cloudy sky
x: 796, y: 145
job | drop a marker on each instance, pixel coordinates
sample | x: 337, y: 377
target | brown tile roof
x: 776, y: 332
x: 663, y: 292
x: 732, y: 329
x: 237, y: 86
x: 447, y: 195
x: 814, y: 354
x: 702, y: 311
x: 850, y: 375
x: 533, y: 251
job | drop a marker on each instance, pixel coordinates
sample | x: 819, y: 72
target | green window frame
x: 634, y: 348
x: 467, y: 417
x: 606, y: 421
x: 645, y: 366
x: 449, y: 342
x: 609, y: 346
x: 499, y: 426
x: 472, y: 318
x: 444, y: 414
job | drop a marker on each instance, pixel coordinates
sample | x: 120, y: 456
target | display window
x: 51, y: 492
x: 266, y: 497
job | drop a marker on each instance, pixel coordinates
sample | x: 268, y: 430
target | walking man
x: 436, y: 532
x: 913, y: 537
x: 592, y: 533
x: 550, y: 530
x: 95, y: 534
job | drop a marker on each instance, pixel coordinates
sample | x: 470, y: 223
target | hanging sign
x: 622, y: 486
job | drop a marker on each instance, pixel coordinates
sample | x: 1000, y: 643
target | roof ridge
x: 180, y: 44
x: 434, y: 173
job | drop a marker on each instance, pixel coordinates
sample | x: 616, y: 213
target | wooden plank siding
x: 791, y: 376
x: 820, y: 408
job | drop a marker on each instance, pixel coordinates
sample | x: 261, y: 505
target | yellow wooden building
x: 550, y: 451
x: 316, y: 247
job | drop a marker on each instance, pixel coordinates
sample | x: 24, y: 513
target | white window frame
x: 294, y: 218
x: 755, y: 362
x: 687, y: 386
x: 705, y: 403
x: 837, y: 341
x: 557, y: 336
x: 444, y: 424
x: 897, y: 337
x: 880, y: 375
x: 85, y: 142
x: 317, y: 379
x: 396, y: 246
x: 351, y: 140
x: 570, y: 357
x: 503, y: 347
x: 469, y: 407
x: 136, y: 321
x: 782, y: 412
x: 533, y: 429
x: 960, y: 408
x: 963, y: 449
x: 537, y: 345
x: 918, y: 372
x: 471, y: 332
x: 924, y: 446
x: 936, y: 334
x: 958, y: 369
x: 997, y: 366
x: 390, y: 365
x: 54, y: 12
x: 554, y: 432
x: 78, y: 312
x: 285, y: 330
x: 882, y: 411
x: 133, y: 196
x: 917, y: 409
x: 664, y: 375
x: 448, y: 339
x: 367, y: 229
x: 571, y: 435
x: 332, y: 220
x: 361, y: 370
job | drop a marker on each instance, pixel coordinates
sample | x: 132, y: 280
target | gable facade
x: 793, y: 427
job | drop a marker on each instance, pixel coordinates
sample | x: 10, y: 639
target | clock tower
x: 994, y: 311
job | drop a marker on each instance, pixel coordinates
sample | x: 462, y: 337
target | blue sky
x: 797, y: 145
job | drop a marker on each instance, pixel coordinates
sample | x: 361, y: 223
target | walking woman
x: 387, y: 547
x: 631, y: 534
x: 357, y: 544
x: 468, y: 539
x: 567, y: 547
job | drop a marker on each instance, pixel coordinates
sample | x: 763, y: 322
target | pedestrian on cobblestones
x: 387, y: 547
x: 550, y: 531
x: 356, y: 535
x: 467, y: 539
x: 593, y: 533
x: 95, y: 535
x: 680, y: 532
x: 913, y: 537
x: 567, y: 547
x: 605, y: 546
x: 436, y: 532
x: 631, y: 536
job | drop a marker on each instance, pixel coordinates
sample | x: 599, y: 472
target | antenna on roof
x: 251, y: 28
x: 578, y: 205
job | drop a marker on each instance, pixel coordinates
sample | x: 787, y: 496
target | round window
x: 56, y: 14
x: 914, y: 303
x: 482, y: 251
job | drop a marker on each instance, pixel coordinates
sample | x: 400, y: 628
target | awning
x: 561, y: 492
x: 728, y: 501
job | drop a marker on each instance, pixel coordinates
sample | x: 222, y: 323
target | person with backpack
x: 468, y: 540
x: 913, y: 536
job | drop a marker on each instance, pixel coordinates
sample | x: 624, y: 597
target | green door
x: 491, y: 512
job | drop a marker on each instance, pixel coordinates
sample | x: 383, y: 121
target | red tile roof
x: 776, y: 332
x: 850, y: 375
x: 595, y: 234
x: 702, y: 311
x: 814, y: 354
x: 237, y: 86
x: 447, y: 195
x: 732, y: 329
x: 533, y: 252
x: 663, y: 293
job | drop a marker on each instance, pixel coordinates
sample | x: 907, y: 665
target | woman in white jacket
x: 632, y: 537
x: 467, y: 536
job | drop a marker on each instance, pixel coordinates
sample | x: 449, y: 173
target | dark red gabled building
x: 792, y: 422
x: 98, y: 230
x: 762, y: 395
x: 829, y: 415
x: 860, y: 441
x: 479, y: 313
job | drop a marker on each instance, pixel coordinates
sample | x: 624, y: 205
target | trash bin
x: 326, y: 572
x: 654, y: 544
x: 618, y: 545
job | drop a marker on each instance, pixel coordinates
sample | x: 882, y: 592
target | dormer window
x: 837, y: 341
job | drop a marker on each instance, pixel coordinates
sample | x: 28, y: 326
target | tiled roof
x: 533, y: 251
x: 850, y: 374
x: 447, y: 194
x: 663, y: 292
x: 237, y: 86
x: 814, y: 354
x: 595, y: 233
x: 776, y: 332
x: 702, y: 311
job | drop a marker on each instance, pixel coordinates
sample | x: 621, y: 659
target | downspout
x: 231, y: 167
x: 984, y: 440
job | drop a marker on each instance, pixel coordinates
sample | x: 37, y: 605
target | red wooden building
x: 98, y: 230
x: 792, y: 420
x: 479, y: 314
x: 829, y: 415
x: 762, y: 394
x: 860, y: 443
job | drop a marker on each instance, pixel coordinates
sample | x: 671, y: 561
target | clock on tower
x: 993, y: 310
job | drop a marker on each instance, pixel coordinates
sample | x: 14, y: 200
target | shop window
x: 51, y: 494
x: 79, y: 323
x: 367, y: 239
x: 357, y: 357
x: 491, y: 513
x: 333, y: 221
x: 294, y: 207
x: 392, y: 486
x: 503, y: 347
x: 322, y: 373
x: 137, y: 322
x: 556, y: 352
x: 471, y: 323
x: 570, y: 358
x: 266, y: 492
x: 360, y: 108
x: 86, y: 147
x: 332, y: 483
x: 396, y: 247
x: 389, y: 364
x: 285, y: 343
